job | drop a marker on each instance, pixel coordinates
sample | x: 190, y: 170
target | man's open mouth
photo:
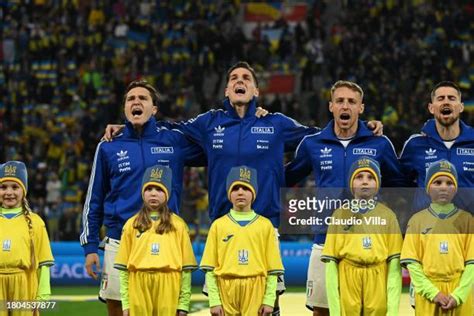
x: 239, y: 90
x: 137, y: 112
x: 345, y: 117
x: 446, y: 111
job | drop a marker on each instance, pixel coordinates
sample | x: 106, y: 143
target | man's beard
x: 448, y: 121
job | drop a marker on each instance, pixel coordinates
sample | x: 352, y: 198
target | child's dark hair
x: 143, y: 222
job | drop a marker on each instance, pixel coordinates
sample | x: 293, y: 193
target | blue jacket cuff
x: 90, y: 248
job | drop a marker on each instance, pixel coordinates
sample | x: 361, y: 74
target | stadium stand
x: 64, y: 65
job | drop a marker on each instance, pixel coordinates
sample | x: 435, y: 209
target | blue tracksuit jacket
x: 114, y: 193
x: 324, y: 154
x: 260, y: 143
x: 420, y: 150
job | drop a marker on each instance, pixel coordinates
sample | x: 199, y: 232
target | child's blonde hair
x: 143, y: 222
x: 26, y: 210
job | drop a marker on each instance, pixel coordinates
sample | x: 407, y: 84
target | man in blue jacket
x: 114, y: 196
x: 444, y: 137
x: 330, y: 153
x: 234, y: 136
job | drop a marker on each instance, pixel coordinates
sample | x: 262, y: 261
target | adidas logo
x: 122, y: 153
x: 326, y: 151
x: 219, y: 129
x: 430, y: 152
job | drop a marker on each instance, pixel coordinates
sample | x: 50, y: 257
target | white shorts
x: 316, y: 282
x: 281, y: 288
x: 110, y: 281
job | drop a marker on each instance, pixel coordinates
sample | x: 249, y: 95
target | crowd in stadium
x: 65, y: 65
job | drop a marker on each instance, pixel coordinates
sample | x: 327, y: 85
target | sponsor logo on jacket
x: 465, y: 151
x: 262, y: 130
x: 219, y: 131
x: 365, y: 151
x: 326, y: 152
x: 122, y: 155
x: 162, y: 150
x: 431, y: 154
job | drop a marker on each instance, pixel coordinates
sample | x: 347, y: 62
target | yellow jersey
x: 151, y: 251
x: 15, y: 252
x: 443, y: 246
x: 363, y: 239
x: 234, y: 250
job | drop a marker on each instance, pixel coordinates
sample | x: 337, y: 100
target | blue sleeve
x: 194, y: 155
x: 294, y: 132
x: 299, y: 167
x: 407, y: 163
x: 392, y: 175
x: 194, y: 128
x: 167, y: 124
x: 93, y: 211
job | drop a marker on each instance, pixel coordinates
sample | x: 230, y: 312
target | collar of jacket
x: 362, y: 131
x: 466, y: 132
x: 250, y: 110
x: 149, y: 129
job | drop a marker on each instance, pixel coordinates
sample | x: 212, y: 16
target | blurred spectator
x: 64, y: 65
x: 69, y: 222
x: 53, y: 190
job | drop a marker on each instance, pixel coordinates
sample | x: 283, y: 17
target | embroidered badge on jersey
x: 243, y: 257
x: 155, y: 249
x: 7, y: 245
x: 443, y: 247
x: 367, y: 242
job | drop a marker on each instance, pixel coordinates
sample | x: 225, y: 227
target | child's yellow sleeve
x: 209, y: 260
x: 42, y: 245
x: 411, y: 245
x: 469, y: 243
x: 394, y: 239
x: 331, y: 249
x: 274, y: 264
x: 121, y: 260
x: 189, y: 260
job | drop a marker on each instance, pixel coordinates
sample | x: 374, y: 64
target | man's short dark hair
x: 445, y: 84
x: 155, y: 96
x: 242, y: 64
